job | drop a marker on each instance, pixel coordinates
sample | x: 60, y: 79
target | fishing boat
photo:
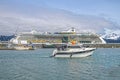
x: 72, y: 51
x: 23, y: 47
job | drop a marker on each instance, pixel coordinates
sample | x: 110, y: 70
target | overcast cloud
x: 49, y: 19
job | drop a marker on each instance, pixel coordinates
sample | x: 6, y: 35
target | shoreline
x: 108, y: 45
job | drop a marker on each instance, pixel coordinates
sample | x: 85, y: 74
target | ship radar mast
x: 73, y: 29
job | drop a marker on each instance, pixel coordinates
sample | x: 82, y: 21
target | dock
x: 108, y: 45
x: 4, y: 46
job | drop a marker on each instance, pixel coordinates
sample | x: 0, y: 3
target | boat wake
x: 45, y: 57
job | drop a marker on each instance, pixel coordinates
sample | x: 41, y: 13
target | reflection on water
x: 104, y: 64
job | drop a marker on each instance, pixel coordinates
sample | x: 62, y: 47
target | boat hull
x: 73, y: 53
x: 23, y: 48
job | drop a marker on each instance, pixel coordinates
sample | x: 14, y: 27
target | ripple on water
x: 104, y: 64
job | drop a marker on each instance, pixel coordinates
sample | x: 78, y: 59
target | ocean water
x: 104, y: 64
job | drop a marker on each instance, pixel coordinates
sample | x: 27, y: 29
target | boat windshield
x: 64, y: 47
x: 74, y: 46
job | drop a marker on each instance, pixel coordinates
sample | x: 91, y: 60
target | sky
x: 56, y: 15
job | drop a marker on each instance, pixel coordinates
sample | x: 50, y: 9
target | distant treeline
x: 6, y: 38
x: 112, y: 40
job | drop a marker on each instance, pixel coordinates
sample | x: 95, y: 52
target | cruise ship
x: 57, y: 37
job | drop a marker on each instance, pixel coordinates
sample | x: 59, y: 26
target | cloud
x: 110, y: 31
x: 49, y: 19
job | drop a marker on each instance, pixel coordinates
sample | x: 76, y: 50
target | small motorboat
x: 24, y: 47
x: 72, y: 51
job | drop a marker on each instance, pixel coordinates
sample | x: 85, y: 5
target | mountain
x: 111, y: 38
x: 6, y: 38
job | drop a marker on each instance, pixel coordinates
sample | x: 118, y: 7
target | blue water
x: 104, y: 64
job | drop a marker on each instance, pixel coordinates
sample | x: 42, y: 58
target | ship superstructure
x: 57, y: 37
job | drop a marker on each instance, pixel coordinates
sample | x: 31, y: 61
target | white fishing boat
x: 72, y: 51
x: 24, y: 47
x: 21, y: 48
